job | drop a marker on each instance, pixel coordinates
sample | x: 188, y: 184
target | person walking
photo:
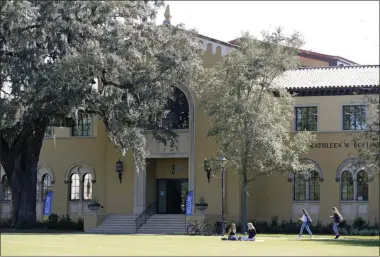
x: 306, y: 221
x: 337, y: 218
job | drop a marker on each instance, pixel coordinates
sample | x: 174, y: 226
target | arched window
x: 299, y: 187
x: 314, y: 192
x: 87, y: 187
x: 74, y: 187
x: 7, y: 193
x: 347, y: 186
x: 306, y: 185
x: 46, y: 185
x: 38, y: 187
x: 362, y: 186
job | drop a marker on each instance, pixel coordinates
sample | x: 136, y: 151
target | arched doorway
x: 180, y: 118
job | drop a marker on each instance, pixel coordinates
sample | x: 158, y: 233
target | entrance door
x: 171, y: 196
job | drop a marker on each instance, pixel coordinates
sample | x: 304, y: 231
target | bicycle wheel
x: 208, y: 230
x: 191, y: 230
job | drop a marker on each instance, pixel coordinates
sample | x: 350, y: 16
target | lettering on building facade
x: 356, y: 145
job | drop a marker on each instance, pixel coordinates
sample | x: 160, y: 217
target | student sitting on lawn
x: 231, y: 235
x: 251, y: 233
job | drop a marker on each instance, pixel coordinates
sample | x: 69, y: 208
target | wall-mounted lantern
x: 119, y: 169
x: 207, y: 168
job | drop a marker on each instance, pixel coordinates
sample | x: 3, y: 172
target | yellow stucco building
x: 79, y: 165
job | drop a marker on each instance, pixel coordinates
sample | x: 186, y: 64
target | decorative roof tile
x: 330, y: 77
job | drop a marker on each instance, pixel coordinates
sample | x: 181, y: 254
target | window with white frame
x: 306, y: 118
x: 80, y: 187
x: 6, y: 194
x: 354, y: 186
x: 306, y: 188
x: 46, y: 185
x: 354, y: 117
x: 353, y: 182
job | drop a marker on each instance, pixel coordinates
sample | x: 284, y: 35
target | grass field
x: 127, y: 245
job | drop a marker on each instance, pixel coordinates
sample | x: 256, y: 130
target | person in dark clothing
x: 337, y: 218
x: 251, y: 233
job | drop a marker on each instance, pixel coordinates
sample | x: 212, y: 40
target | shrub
x: 360, y: 223
x: 54, y: 222
x: 360, y: 227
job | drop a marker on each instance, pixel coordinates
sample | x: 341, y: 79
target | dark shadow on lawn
x: 352, y: 242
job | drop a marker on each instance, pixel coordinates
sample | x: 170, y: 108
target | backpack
x: 308, y: 220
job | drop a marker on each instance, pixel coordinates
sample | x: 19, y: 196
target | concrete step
x: 156, y: 224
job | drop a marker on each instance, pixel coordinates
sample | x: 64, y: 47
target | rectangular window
x: 49, y: 132
x: 84, y: 126
x: 354, y: 117
x: 306, y: 118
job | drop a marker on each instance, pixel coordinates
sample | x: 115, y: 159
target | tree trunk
x: 21, y: 169
x: 244, y: 202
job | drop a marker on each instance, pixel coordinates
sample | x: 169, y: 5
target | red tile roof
x: 316, y: 55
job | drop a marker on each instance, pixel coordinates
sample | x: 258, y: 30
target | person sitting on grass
x: 251, y: 233
x: 231, y: 235
x: 232, y: 232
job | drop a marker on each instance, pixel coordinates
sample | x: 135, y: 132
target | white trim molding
x: 353, y: 165
x: 81, y: 169
x: 355, y: 207
x: 43, y: 169
x: 317, y: 168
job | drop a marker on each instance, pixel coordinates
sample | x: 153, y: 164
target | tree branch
x: 254, y: 177
x: 34, y: 26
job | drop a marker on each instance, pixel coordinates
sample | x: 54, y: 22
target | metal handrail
x: 145, y: 215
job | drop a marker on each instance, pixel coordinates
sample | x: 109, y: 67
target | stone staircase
x: 156, y: 224
x: 165, y: 224
x: 116, y: 224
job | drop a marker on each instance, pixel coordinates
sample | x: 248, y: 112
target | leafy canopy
x: 107, y: 58
x: 251, y: 117
x: 370, y: 156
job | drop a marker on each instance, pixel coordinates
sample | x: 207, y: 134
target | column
x: 139, y: 190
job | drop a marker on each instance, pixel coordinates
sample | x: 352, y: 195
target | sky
x: 349, y: 29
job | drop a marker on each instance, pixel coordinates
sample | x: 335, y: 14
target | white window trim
x: 307, y: 191
x: 354, y: 103
x: 2, y: 174
x: 347, y: 166
x: 291, y: 176
x: 354, y: 177
x: 294, y: 123
x: 76, y: 169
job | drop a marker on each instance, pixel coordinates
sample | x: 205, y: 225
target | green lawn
x: 118, y: 245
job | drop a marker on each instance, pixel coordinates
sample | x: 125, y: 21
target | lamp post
x: 223, y: 162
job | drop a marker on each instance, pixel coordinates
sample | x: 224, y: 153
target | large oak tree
x: 60, y: 59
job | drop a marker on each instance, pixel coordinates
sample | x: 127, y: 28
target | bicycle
x: 197, y: 227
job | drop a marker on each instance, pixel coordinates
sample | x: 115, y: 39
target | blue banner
x: 47, y: 203
x: 189, y: 205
